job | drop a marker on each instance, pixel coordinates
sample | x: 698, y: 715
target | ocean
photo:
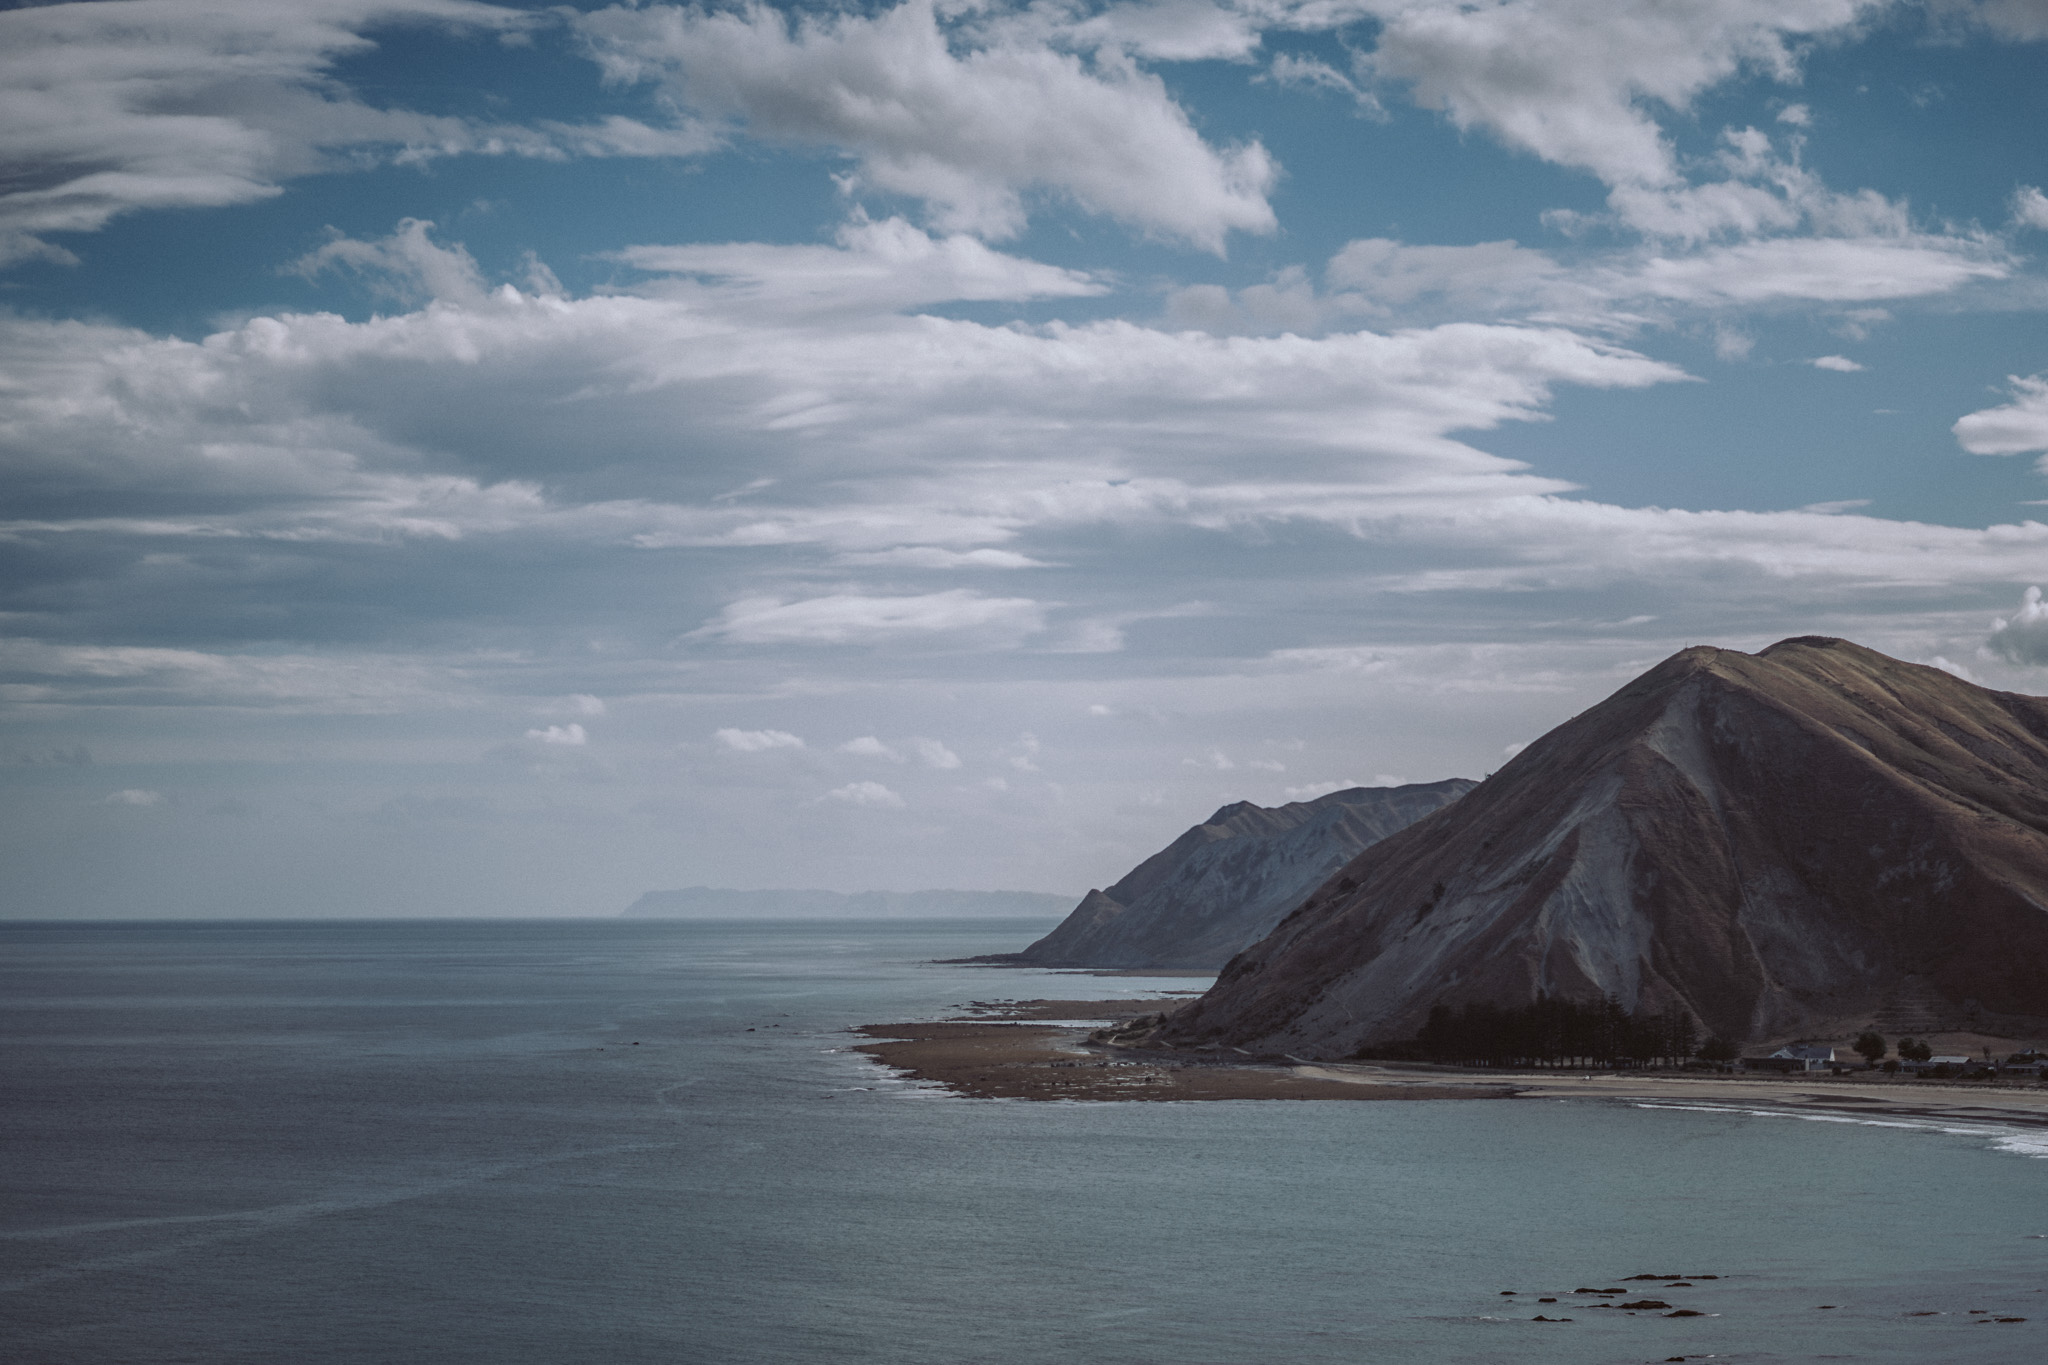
x: 518, y: 1142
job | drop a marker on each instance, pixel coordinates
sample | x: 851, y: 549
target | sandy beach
x: 1040, y: 1050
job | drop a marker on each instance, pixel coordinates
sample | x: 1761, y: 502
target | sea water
x: 628, y: 1141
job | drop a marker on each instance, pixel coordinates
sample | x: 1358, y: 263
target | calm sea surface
x: 520, y: 1142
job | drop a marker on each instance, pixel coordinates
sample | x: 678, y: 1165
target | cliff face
x: 1226, y: 882
x: 1812, y: 837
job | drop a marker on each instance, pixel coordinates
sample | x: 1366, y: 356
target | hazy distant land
x: 717, y: 902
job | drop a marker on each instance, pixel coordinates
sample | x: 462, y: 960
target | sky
x: 483, y: 459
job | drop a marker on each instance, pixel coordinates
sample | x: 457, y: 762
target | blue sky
x: 468, y: 458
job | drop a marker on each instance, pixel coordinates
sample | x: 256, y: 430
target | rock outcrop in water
x: 1788, y: 843
x: 1225, y: 883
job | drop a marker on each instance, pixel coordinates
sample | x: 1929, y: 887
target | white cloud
x: 755, y: 741
x: 135, y: 796
x: 110, y: 107
x: 2012, y: 429
x: 2017, y: 21
x: 144, y: 676
x: 1827, y: 269
x: 872, y: 794
x: 855, y: 619
x: 1215, y: 758
x: 1615, y: 291
x: 2030, y: 207
x: 970, y: 132
x: 1948, y: 666
x: 1310, y: 73
x: 1163, y: 30
x: 880, y: 266
x: 2022, y: 637
x: 1798, y: 115
x: 407, y: 266
x: 1577, y: 84
x: 1840, y: 364
x: 867, y: 746
x: 934, y: 557
x: 933, y: 754
x: 571, y: 735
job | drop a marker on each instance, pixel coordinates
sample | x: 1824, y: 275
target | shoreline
x: 1041, y: 1050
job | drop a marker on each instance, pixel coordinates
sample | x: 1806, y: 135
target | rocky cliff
x: 1791, y: 842
x: 1226, y: 882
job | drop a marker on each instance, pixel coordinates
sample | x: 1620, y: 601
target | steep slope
x: 1226, y: 882
x: 1780, y: 843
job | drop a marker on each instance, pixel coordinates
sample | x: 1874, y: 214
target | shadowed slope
x: 1225, y: 883
x: 1778, y: 843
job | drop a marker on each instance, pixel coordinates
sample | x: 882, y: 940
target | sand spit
x: 1040, y: 1050
x: 1005, y: 1054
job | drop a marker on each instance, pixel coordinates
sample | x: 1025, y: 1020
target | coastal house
x: 1949, y: 1065
x: 1799, y: 1058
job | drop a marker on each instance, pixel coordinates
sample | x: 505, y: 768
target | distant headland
x: 717, y: 902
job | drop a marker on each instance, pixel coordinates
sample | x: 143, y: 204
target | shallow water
x: 539, y: 1142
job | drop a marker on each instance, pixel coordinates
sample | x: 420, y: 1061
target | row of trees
x: 1552, y: 1031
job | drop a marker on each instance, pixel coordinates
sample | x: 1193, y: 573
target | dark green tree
x: 1719, y: 1049
x: 1870, y: 1044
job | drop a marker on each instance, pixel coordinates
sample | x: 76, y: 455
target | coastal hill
x: 1225, y: 883
x: 1797, y: 842
x: 714, y: 902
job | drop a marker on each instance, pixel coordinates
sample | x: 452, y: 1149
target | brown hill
x: 1792, y: 842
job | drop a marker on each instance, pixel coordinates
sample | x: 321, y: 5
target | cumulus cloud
x: 970, y: 132
x: 867, y: 746
x: 756, y: 741
x: 408, y: 266
x: 2013, y: 428
x: 2022, y: 637
x: 571, y: 735
x: 933, y: 754
x: 855, y: 619
x: 1840, y: 364
x: 1579, y: 85
x: 872, y: 794
x: 2030, y: 207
